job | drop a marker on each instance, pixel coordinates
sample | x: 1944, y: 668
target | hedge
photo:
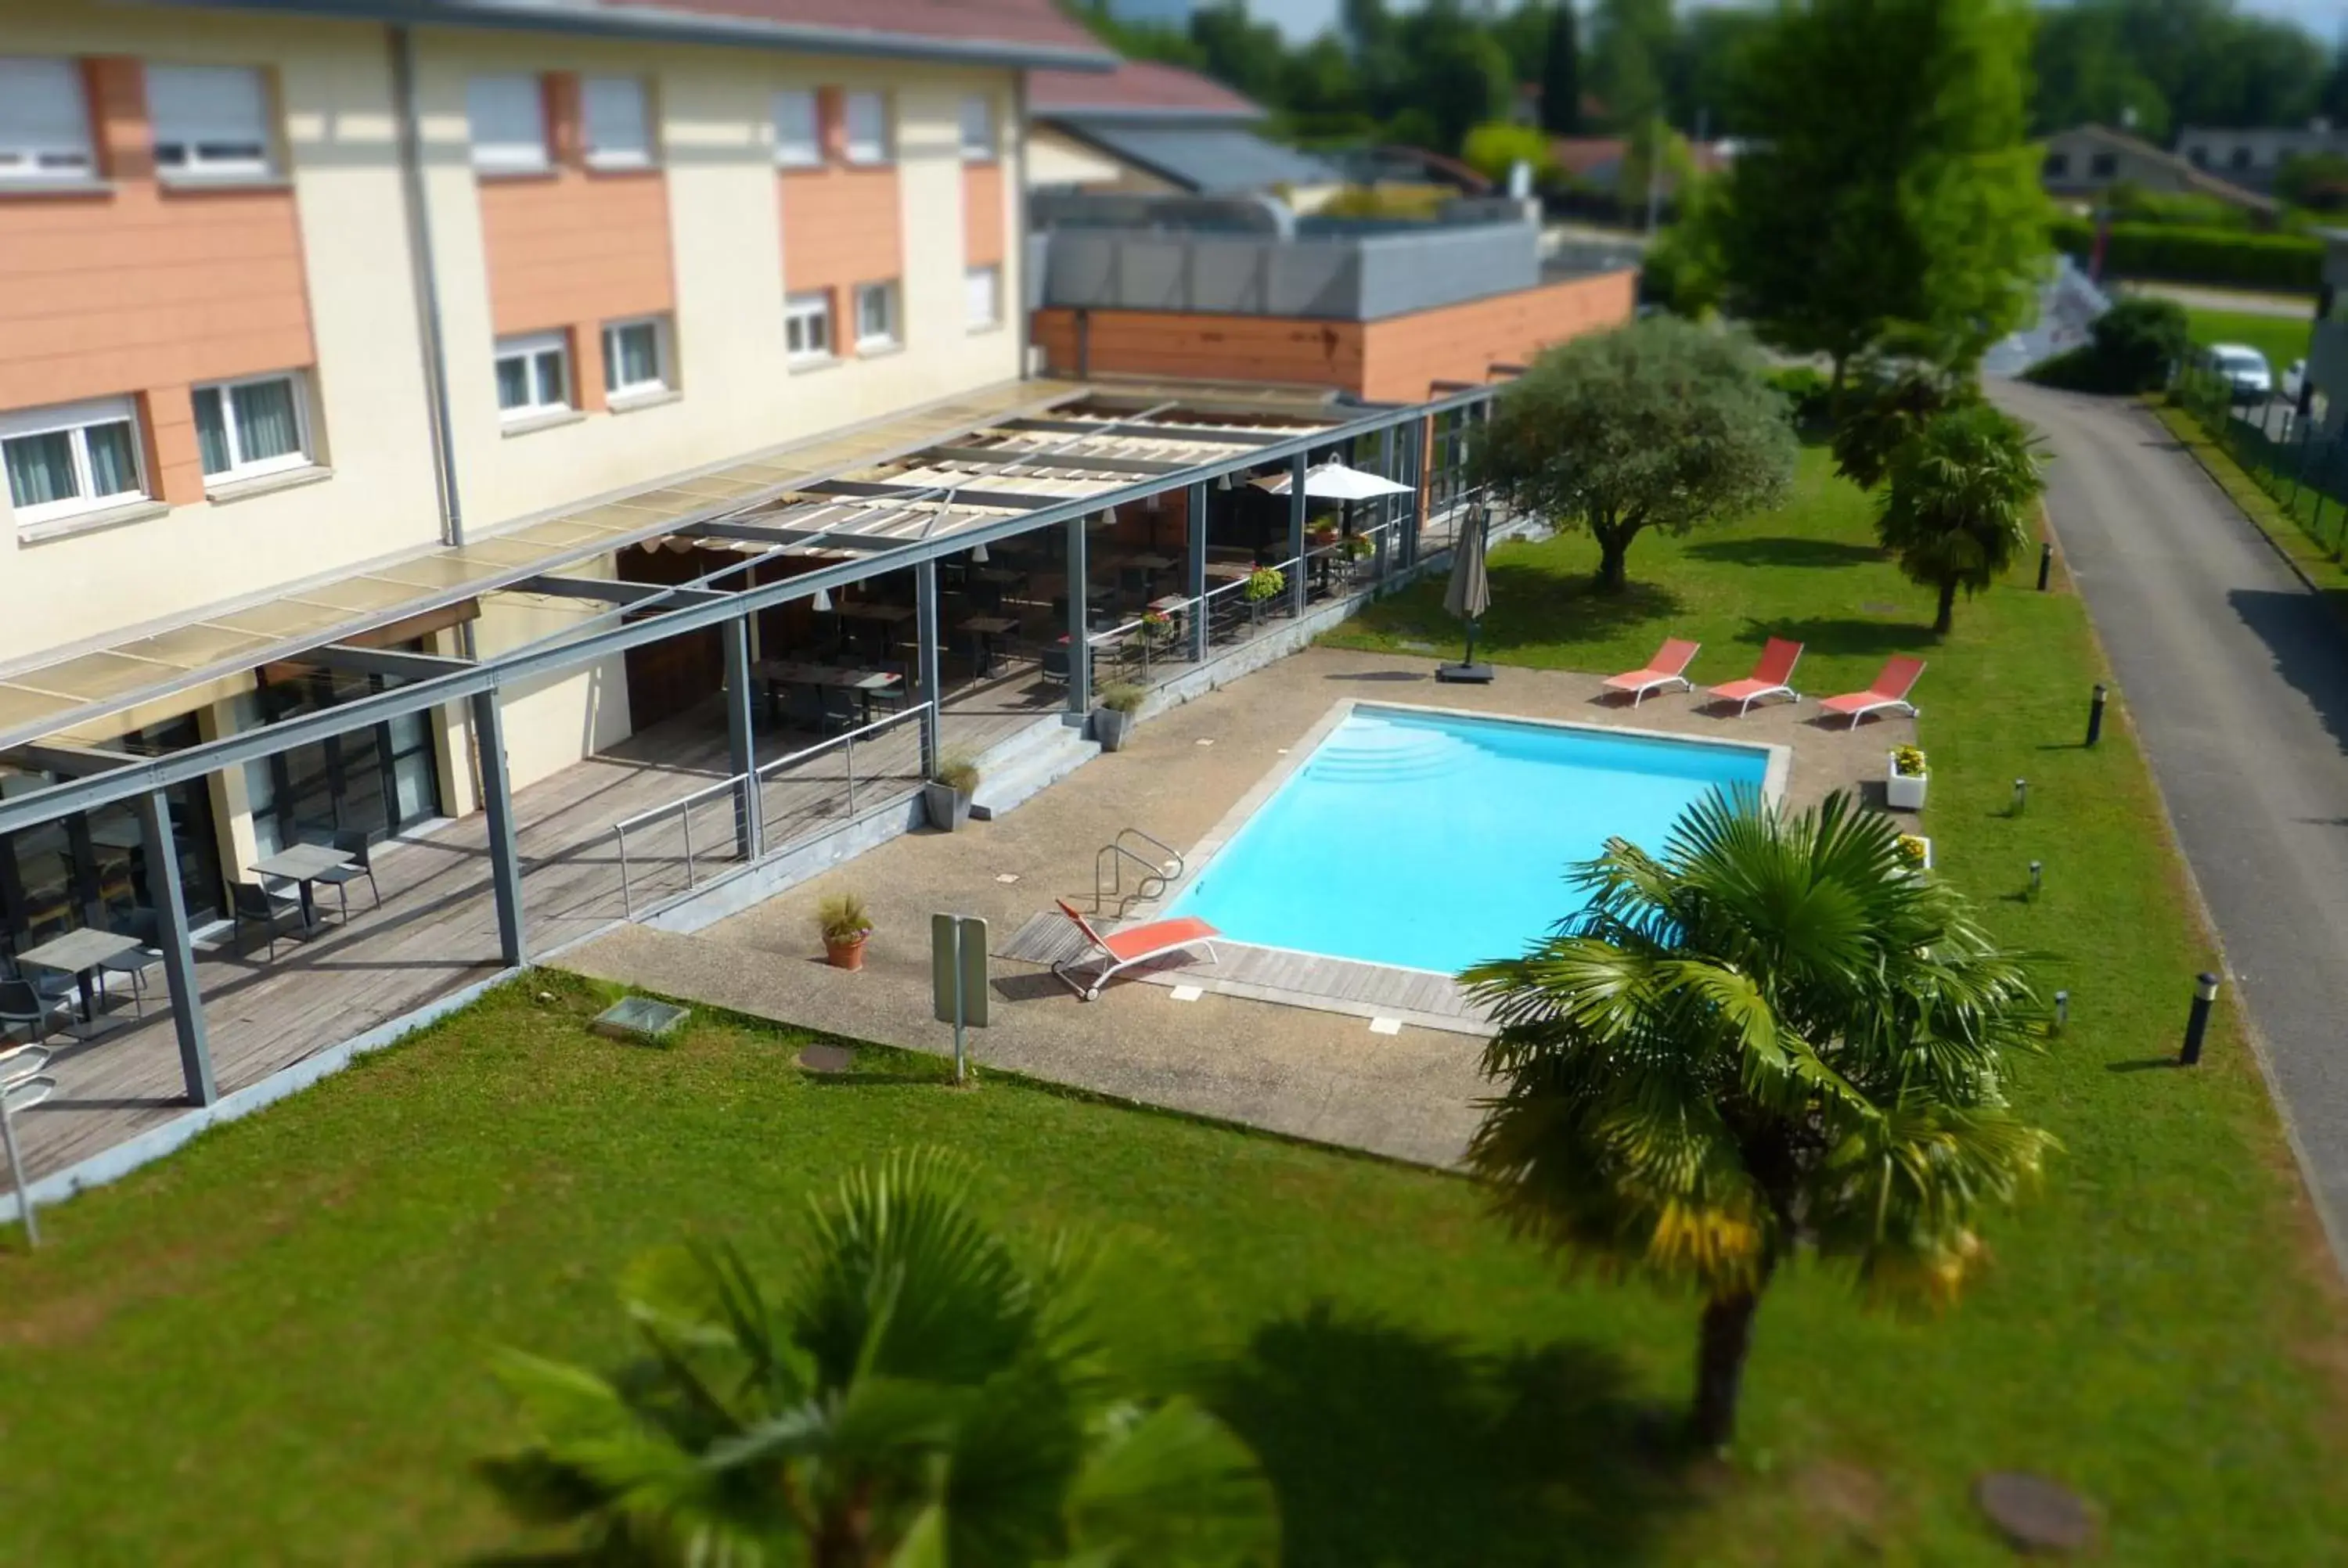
x: 2291, y: 262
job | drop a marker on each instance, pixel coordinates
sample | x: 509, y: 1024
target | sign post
x: 958, y: 977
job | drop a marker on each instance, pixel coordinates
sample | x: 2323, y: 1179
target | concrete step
x: 1014, y: 771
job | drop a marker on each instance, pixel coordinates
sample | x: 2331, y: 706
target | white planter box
x: 1903, y: 791
x: 1916, y: 868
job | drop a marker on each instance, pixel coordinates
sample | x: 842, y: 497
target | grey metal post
x: 925, y: 638
x: 496, y: 805
x: 1297, y: 469
x: 741, y: 740
x: 179, y: 953
x: 1422, y: 473
x: 1195, y: 582
x: 1080, y: 652
x: 1382, y: 555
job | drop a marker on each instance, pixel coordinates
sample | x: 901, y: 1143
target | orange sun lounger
x: 1888, y: 690
x: 1667, y: 668
x: 1123, y: 950
x: 1771, y: 677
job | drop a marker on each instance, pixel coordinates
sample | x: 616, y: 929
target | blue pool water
x: 1434, y: 842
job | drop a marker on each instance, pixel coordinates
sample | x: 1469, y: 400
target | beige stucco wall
x: 1055, y: 158
x: 370, y: 419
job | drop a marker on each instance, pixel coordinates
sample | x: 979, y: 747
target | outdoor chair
x: 1667, y: 668
x: 1888, y: 690
x: 1053, y: 662
x: 22, y: 1007
x: 142, y: 924
x: 353, y: 842
x: 250, y: 904
x: 803, y: 708
x: 839, y: 711
x: 1122, y: 949
x: 48, y: 983
x: 1771, y: 677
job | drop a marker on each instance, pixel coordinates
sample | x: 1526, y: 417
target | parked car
x: 2247, y: 376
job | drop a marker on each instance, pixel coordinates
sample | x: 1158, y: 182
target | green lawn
x: 2282, y: 339
x: 269, y: 1347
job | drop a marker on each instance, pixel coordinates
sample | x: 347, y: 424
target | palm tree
x: 1958, y: 509
x: 915, y: 1397
x: 1771, y: 1037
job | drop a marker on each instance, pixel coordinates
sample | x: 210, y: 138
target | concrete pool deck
x: 1294, y: 1071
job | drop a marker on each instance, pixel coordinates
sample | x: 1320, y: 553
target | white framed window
x: 618, y: 115
x: 253, y: 426
x: 73, y: 458
x: 867, y: 118
x: 635, y: 356
x: 977, y: 128
x: 533, y: 376
x: 507, y: 116
x: 982, y: 296
x: 210, y: 119
x: 807, y: 326
x: 44, y: 120
x: 876, y: 315
x: 799, y: 128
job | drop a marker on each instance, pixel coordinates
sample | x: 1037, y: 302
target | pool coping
x: 1777, y: 769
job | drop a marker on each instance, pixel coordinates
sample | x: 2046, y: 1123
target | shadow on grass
x: 1388, y: 1446
x: 1794, y: 552
x: 1829, y: 634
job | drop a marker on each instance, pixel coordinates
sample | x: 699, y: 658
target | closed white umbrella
x: 1333, y: 481
x: 1468, y: 596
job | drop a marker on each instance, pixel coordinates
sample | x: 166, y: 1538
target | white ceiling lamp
x: 822, y: 601
x: 978, y: 554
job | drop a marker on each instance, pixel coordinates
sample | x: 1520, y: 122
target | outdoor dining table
x: 863, y: 682
x: 304, y: 864
x: 987, y: 628
x: 879, y: 614
x: 79, y: 953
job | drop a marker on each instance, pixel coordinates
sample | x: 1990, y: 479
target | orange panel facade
x: 1392, y: 360
x: 841, y: 223
x: 144, y: 289
x: 574, y: 248
x: 982, y: 214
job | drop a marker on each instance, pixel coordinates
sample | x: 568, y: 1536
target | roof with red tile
x: 1136, y: 89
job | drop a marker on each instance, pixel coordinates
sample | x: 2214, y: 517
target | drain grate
x: 642, y: 1021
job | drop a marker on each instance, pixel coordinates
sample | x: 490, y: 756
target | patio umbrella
x: 1468, y: 596
x: 1333, y: 481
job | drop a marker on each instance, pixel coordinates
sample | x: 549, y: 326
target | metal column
x: 1195, y: 581
x: 1382, y: 553
x: 1422, y: 477
x: 741, y: 739
x: 179, y: 955
x: 496, y: 804
x: 1296, y: 473
x: 1080, y: 650
x: 925, y: 669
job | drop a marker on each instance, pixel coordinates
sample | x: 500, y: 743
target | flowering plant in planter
x: 1360, y: 547
x: 1915, y: 852
x: 1265, y: 583
x: 1908, y: 762
x: 1905, y: 777
x: 845, y: 928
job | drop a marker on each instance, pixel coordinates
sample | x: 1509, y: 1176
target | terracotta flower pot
x: 846, y: 952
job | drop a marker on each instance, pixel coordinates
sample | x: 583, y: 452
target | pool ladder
x: 1155, y: 876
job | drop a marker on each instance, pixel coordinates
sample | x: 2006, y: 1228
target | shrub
x: 1265, y: 583
x: 1123, y: 697
x: 1493, y: 149
x: 842, y: 918
x: 1806, y: 389
x: 2292, y: 263
x: 2140, y: 341
x: 958, y: 770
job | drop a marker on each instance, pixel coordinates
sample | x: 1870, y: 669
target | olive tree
x: 1658, y: 425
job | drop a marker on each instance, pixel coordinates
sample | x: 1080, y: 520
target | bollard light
x: 2196, y: 1021
x: 2021, y: 795
x: 2062, y: 1010
x: 2095, y: 715
x: 2036, y: 881
x: 2045, y: 564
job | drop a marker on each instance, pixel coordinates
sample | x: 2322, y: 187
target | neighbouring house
x: 1593, y: 164
x: 2081, y: 164
x: 1157, y: 129
x: 1384, y: 311
x: 2252, y: 157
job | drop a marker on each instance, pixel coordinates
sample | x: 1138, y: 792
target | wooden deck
x: 437, y: 930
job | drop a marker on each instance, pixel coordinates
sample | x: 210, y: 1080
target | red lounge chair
x: 1669, y: 666
x: 1773, y: 677
x: 1123, y: 950
x: 1890, y: 690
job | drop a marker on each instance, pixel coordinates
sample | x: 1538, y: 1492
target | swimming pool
x: 1432, y: 841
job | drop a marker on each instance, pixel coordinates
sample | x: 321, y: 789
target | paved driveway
x: 2237, y: 678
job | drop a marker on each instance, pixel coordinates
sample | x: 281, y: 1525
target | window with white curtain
x: 533, y: 376
x: 977, y: 128
x: 619, y: 122
x: 250, y: 427
x: 983, y: 297
x: 44, y: 120
x: 507, y: 116
x: 799, y: 128
x: 635, y: 357
x: 876, y: 315
x: 807, y: 326
x: 866, y: 117
x: 73, y: 458
x: 210, y: 119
